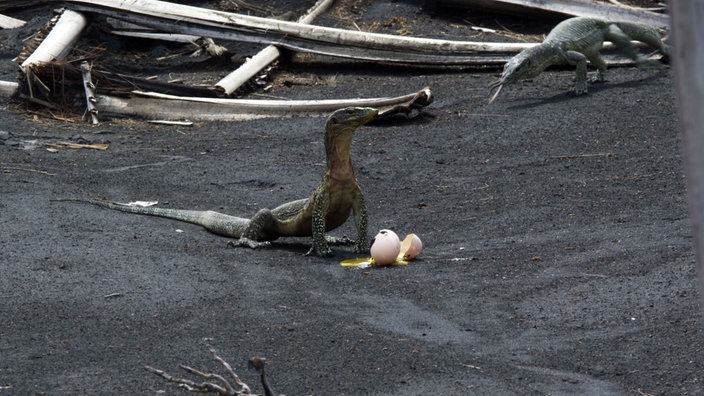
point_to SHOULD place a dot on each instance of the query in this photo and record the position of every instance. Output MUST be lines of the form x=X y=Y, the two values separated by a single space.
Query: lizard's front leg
x=580 y=61
x=360 y=218
x=597 y=61
x=259 y=231
x=320 y=209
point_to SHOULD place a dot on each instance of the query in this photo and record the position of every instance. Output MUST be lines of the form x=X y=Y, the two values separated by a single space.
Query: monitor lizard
x=329 y=206
x=575 y=41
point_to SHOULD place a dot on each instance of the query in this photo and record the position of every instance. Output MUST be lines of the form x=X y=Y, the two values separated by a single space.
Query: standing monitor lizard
x=331 y=203
x=575 y=41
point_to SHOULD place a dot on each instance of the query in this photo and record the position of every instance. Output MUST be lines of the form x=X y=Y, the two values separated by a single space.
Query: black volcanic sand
x=558 y=256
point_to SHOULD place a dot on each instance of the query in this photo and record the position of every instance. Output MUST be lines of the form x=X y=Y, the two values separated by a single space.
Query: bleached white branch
x=168 y=107
x=8 y=88
x=7 y=22
x=587 y=8
x=201 y=22
x=58 y=42
x=218 y=384
x=89 y=90
x=265 y=57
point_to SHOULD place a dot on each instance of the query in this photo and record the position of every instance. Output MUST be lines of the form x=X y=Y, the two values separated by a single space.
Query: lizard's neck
x=542 y=56
x=338 y=151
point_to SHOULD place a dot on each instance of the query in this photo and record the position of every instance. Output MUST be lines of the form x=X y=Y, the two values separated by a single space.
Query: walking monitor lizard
x=331 y=203
x=573 y=42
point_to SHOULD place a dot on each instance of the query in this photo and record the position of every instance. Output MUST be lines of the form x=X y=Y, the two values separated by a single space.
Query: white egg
x=411 y=247
x=385 y=248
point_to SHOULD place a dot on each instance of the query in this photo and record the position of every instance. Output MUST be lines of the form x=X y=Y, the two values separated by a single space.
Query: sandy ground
x=558 y=256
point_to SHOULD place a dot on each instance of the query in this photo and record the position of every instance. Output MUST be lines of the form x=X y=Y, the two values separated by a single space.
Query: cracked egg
x=411 y=247
x=385 y=248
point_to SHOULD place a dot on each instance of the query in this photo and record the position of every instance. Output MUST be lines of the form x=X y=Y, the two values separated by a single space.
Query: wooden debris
x=57 y=44
x=8 y=88
x=41 y=172
x=7 y=22
x=586 y=8
x=168 y=122
x=95 y=146
x=232 y=386
x=263 y=58
x=176 y=18
x=89 y=88
x=46 y=79
x=169 y=107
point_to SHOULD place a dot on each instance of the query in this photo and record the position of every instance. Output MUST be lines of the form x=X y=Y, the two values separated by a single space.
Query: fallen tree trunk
x=201 y=22
x=263 y=58
x=7 y=22
x=586 y=8
x=297 y=36
x=59 y=41
x=8 y=88
x=151 y=105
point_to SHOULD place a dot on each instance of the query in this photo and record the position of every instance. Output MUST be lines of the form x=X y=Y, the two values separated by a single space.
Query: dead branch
x=620 y=4
x=7 y=22
x=178 y=102
x=219 y=384
x=8 y=88
x=586 y=8
x=58 y=42
x=169 y=107
x=90 y=92
x=201 y=22
x=264 y=58
x=587 y=155
x=9 y=169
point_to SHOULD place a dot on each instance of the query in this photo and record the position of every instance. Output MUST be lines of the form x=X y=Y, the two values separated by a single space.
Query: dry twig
x=89 y=88
x=220 y=385
x=588 y=155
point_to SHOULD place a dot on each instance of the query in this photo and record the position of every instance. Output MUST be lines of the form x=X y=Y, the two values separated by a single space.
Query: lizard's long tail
x=645 y=34
x=217 y=223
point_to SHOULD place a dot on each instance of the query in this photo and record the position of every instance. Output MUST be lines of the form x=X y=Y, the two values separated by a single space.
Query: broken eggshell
x=385 y=248
x=411 y=247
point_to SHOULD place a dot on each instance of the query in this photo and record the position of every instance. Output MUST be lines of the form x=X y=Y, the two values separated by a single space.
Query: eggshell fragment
x=385 y=248
x=410 y=247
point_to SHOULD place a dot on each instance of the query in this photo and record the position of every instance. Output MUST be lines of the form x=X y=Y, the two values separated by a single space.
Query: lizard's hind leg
x=259 y=232
x=622 y=40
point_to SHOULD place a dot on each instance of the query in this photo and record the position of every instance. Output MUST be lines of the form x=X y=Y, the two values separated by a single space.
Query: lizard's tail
x=645 y=34
x=217 y=223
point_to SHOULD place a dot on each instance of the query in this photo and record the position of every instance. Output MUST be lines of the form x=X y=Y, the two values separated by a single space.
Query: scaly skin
x=574 y=42
x=329 y=206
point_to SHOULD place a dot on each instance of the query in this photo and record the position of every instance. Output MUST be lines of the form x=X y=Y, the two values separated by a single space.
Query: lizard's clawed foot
x=322 y=251
x=361 y=247
x=343 y=240
x=597 y=77
x=580 y=89
x=250 y=243
x=650 y=64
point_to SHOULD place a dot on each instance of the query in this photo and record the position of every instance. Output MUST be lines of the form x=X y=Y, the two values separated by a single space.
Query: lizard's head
x=339 y=129
x=350 y=118
x=517 y=68
x=343 y=123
